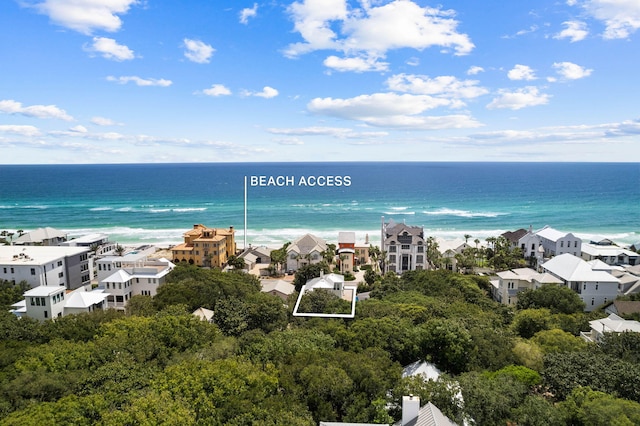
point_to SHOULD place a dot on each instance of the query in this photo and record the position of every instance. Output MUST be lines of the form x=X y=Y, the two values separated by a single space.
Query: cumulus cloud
x=197 y=51
x=110 y=49
x=620 y=17
x=571 y=71
x=78 y=129
x=521 y=72
x=267 y=92
x=518 y=99
x=22 y=130
x=391 y=109
x=10 y=106
x=371 y=31
x=442 y=86
x=574 y=31
x=140 y=81
x=217 y=90
x=475 y=70
x=247 y=13
x=102 y=121
x=86 y=16
x=355 y=64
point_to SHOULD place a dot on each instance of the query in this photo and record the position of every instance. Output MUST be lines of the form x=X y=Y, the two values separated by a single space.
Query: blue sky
x=126 y=81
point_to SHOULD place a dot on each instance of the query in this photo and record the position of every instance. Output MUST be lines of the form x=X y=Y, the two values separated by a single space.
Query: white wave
x=399 y=209
x=398 y=213
x=189 y=209
x=100 y=209
x=461 y=213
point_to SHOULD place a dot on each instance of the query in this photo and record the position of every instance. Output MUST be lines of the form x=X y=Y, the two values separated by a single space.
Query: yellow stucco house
x=205 y=246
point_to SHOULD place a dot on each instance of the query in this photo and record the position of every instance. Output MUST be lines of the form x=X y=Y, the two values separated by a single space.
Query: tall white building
x=552 y=241
x=404 y=246
x=51 y=266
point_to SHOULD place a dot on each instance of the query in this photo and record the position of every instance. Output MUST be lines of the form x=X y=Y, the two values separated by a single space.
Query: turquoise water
x=156 y=203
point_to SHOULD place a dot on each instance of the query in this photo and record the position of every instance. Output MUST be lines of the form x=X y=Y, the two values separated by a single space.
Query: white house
x=333 y=283
x=611 y=324
x=281 y=288
x=509 y=283
x=143 y=278
x=306 y=250
x=405 y=247
x=41 y=237
x=594 y=287
x=553 y=242
x=610 y=254
x=448 y=249
x=46 y=265
x=46 y=302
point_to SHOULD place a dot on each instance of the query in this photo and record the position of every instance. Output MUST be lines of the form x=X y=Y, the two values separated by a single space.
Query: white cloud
x=86 y=16
x=78 y=129
x=22 y=130
x=443 y=86
x=247 y=13
x=289 y=141
x=38 y=111
x=140 y=81
x=217 y=90
x=521 y=98
x=521 y=72
x=571 y=71
x=575 y=31
x=337 y=132
x=355 y=64
x=197 y=51
x=475 y=70
x=110 y=49
x=101 y=121
x=391 y=109
x=267 y=92
x=371 y=31
x=621 y=17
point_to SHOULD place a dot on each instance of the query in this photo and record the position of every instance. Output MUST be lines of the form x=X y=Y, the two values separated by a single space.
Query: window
x=46 y=314
x=596 y=286
x=406 y=247
x=33 y=271
x=533 y=246
x=61 y=274
x=561 y=243
x=420 y=249
x=119 y=286
x=392 y=249
x=5 y=270
x=33 y=301
x=42 y=300
x=593 y=301
x=12 y=270
x=419 y=259
x=59 y=262
x=392 y=258
x=575 y=244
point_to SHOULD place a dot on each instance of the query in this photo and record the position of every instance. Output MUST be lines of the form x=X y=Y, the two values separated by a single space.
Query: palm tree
x=119 y=249
x=466 y=238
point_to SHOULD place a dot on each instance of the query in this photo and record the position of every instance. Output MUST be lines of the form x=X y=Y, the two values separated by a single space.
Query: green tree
x=556 y=298
x=447 y=343
x=308 y=272
x=140 y=305
x=558 y=341
x=236 y=262
x=587 y=407
x=528 y=322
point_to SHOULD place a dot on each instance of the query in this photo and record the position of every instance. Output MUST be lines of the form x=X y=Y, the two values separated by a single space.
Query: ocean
x=156 y=203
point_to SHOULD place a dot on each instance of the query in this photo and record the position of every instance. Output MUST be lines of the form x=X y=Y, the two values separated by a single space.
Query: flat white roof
x=43 y=291
x=36 y=255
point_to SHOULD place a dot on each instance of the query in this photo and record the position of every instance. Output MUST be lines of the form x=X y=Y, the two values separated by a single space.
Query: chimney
x=410 y=408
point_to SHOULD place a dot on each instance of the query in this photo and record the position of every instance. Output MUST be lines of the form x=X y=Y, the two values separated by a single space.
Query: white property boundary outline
x=350 y=288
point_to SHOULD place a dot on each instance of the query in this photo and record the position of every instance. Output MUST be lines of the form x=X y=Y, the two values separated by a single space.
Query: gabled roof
x=324 y=281
x=430 y=415
x=204 y=314
x=572 y=268
x=551 y=234
x=613 y=323
x=120 y=276
x=514 y=236
x=44 y=291
x=625 y=307
x=85 y=299
x=280 y=286
x=306 y=244
x=40 y=234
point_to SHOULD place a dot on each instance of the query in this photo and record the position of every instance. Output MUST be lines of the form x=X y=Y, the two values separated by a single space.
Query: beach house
x=509 y=283
x=553 y=242
x=204 y=246
x=595 y=287
x=404 y=246
x=306 y=250
x=55 y=266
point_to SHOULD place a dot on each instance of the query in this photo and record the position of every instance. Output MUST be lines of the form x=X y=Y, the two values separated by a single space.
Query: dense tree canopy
x=257 y=364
